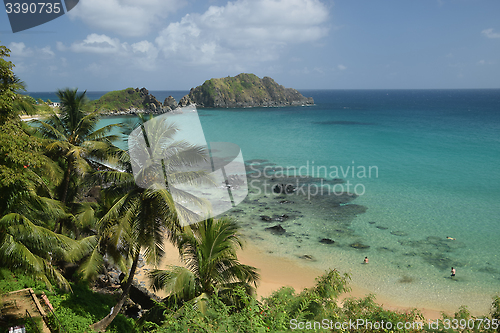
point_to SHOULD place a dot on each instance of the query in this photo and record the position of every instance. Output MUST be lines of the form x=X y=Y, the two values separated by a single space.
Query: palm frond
x=175 y=280
x=103 y=132
x=94 y=262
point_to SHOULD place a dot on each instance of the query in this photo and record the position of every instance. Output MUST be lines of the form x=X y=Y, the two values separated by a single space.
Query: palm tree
x=27 y=203
x=212 y=267
x=140 y=217
x=73 y=136
x=10 y=85
x=31 y=249
x=27 y=207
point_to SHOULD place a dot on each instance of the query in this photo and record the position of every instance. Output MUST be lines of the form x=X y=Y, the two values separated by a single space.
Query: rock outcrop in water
x=245 y=90
x=132 y=101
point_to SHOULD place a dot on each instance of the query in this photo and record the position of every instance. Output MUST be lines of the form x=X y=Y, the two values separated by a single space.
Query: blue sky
x=305 y=44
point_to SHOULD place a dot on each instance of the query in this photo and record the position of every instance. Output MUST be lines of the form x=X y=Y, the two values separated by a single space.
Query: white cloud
x=490 y=34
x=145 y=54
x=144 y=47
x=244 y=31
x=100 y=44
x=341 y=67
x=60 y=46
x=115 y=53
x=484 y=62
x=125 y=17
x=47 y=51
x=20 y=50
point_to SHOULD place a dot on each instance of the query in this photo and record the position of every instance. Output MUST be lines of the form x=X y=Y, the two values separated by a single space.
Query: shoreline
x=33 y=117
x=106 y=114
x=276 y=272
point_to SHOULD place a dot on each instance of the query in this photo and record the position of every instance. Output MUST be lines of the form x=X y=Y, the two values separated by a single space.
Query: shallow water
x=433 y=157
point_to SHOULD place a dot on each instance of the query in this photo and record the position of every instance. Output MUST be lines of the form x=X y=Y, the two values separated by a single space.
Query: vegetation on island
x=126 y=100
x=71 y=210
x=245 y=90
x=118 y=100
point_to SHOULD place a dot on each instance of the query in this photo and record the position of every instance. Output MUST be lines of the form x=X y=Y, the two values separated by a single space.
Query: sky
x=103 y=45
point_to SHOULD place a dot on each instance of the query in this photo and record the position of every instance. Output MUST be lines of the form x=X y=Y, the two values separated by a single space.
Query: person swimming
x=450 y=238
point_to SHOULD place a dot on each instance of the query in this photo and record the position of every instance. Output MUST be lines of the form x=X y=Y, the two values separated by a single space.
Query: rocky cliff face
x=150 y=103
x=245 y=90
x=170 y=102
x=131 y=101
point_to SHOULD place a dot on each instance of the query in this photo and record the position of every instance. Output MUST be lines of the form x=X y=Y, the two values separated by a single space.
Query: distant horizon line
x=300 y=89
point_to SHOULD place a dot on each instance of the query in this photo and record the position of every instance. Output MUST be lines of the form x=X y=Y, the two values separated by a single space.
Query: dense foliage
x=211 y=267
x=9 y=84
x=75 y=311
x=119 y=100
x=283 y=310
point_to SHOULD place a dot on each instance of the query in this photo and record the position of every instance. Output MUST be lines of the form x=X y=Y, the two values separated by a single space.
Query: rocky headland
x=132 y=101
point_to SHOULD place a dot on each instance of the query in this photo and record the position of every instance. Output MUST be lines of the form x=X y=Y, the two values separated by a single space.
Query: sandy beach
x=276 y=272
x=28 y=118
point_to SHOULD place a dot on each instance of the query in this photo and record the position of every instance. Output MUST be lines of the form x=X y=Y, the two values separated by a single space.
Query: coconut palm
x=73 y=136
x=140 y=218
x=212 y=267
x=27 y=203
x=27 y=245
x=31 y=249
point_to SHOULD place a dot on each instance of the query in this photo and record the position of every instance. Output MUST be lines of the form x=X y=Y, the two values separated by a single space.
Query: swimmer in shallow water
x=450 y=238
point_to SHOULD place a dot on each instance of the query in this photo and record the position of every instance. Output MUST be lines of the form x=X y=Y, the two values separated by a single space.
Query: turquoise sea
x=434 y=157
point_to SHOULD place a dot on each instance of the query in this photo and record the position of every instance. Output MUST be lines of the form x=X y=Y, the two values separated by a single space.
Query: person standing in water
x=366 y=260
x=453 y=271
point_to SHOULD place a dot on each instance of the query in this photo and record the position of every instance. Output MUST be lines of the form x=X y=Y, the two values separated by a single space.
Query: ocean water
x=425 y=168
x=433 y=156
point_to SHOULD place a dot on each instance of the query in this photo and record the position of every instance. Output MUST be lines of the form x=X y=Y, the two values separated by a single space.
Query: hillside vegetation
x=245 y=90
x=119 y=100
x=127 y=100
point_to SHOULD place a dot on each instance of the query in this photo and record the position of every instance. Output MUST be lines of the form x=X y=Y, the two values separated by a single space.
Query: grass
x=118 y=100
x=242 y=88
x=76 y=310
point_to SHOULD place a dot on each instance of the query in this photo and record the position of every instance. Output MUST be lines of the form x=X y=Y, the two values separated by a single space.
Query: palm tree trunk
x=101 y=325
x=67 y=174
x=64 y=195
x=66 y=183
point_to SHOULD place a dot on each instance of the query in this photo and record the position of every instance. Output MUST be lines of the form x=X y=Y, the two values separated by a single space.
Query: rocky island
x=243 y=90
x=131 y=101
